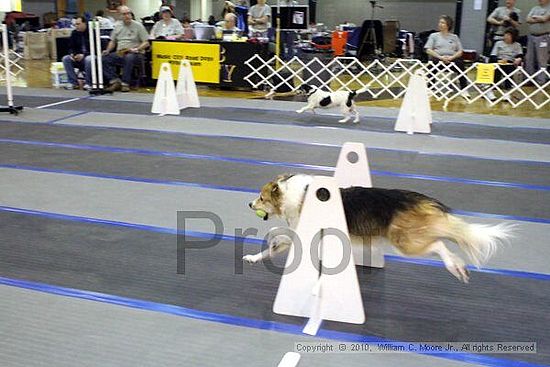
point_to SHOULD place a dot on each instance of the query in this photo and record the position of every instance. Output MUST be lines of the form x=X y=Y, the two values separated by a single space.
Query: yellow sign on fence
x=485 y=74
x=204 y=59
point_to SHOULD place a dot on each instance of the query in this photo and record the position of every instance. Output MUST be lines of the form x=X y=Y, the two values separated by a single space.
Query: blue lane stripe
x=244 y=322
x=239 y=189
x=254 y=241
x=294 y=142
x=67 y=117
x=378 y=130
x=322 y=168
x=130 y=179
x=109 y=149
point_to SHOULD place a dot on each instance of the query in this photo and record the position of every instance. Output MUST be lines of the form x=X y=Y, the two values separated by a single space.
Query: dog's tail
x=354 y=93
x=478 y=241
x=362 y=90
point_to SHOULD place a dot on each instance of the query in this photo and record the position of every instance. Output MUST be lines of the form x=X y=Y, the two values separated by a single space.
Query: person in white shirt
x=259 y=19
x=538 y=42
x=167 y=26
x=509 y=55
x=230 y=23
x=445 y=47
x=504 y=17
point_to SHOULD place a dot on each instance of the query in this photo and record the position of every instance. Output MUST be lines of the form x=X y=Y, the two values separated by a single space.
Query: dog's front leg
x=256 y=258
x=305 y=108
x=276 y=245
x=347 y=115
x=356 y=119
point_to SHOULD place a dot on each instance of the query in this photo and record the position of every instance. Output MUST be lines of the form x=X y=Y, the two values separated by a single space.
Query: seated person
x=259 y=19
x=230 y=23
x=130 y=39
x=508 y=53
x=167 y=26
x=79 y=55
x=186 y=23
x=104 y=23
x=445 y=47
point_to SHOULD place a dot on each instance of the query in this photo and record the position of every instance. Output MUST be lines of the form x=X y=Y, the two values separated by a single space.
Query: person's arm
x=72 y=44
x=491 y=19
x=112 y=43
x=428 y=47
x=110 y=47
x=433 y=54
x=515 y=23
x=267 y=15
x=531 y=19
x=263 y=20
x=179 y=28
x=143 y=37
x=459 y=52
x=153 y=33
x=519 y=55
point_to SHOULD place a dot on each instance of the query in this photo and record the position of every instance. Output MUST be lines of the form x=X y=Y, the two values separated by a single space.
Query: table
x=213 y=62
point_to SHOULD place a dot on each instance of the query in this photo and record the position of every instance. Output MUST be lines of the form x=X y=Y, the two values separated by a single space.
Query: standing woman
x=167 y=26
x=445 y=47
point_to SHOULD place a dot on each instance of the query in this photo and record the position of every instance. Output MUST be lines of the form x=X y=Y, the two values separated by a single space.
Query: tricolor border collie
x=318 y=98
x=414 y=223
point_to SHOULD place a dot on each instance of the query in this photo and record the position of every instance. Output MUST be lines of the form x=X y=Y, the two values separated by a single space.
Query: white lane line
x=58 y=103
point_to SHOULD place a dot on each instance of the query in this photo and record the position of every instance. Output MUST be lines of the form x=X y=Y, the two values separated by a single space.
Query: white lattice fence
x=347 y=73
x=15 y=68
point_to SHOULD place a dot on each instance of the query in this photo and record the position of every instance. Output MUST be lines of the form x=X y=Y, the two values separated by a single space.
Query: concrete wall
x=413 y=15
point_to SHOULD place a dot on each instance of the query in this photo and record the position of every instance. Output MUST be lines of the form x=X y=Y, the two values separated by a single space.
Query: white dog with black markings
x=318 y=98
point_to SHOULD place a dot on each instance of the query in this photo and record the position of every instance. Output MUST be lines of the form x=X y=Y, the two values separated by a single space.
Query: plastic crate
x=59 y=75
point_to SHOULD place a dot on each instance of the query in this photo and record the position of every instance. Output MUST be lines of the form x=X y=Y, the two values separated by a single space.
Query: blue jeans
x=112 y=60
x=83 y=65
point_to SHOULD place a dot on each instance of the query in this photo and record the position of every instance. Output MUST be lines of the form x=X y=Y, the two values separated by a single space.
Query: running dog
x=414 y=223
x=317 y=98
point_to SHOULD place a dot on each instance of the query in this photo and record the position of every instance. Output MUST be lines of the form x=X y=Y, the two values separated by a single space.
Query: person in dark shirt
x=79 y=55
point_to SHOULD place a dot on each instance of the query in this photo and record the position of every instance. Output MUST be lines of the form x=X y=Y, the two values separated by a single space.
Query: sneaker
x=125 y=88
x=114 y=86
x=465 y=94
x=490 y=95
x=87 y=87
x=70 y=87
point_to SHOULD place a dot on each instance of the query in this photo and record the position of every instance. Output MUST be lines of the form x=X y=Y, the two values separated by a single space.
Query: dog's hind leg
x=411 y=239
x=454 y=264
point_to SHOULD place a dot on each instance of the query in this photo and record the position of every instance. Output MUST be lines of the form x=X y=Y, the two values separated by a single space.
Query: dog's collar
x=287 y=178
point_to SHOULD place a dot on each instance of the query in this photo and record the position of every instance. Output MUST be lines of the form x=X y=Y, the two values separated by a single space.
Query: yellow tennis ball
x=260 y=213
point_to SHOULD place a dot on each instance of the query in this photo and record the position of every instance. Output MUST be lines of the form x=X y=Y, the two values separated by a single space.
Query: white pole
x=204 y=10
x=6 y=47
x=99 y=55
x=92 y=53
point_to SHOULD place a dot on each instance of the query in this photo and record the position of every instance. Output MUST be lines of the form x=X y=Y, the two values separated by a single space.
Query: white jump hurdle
x=169 y=98
x=323 y=284
x=353 y=169
x=98 y=87
x=11 y=108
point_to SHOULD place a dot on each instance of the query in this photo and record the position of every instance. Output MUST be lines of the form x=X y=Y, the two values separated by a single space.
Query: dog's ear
x=275 y=190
